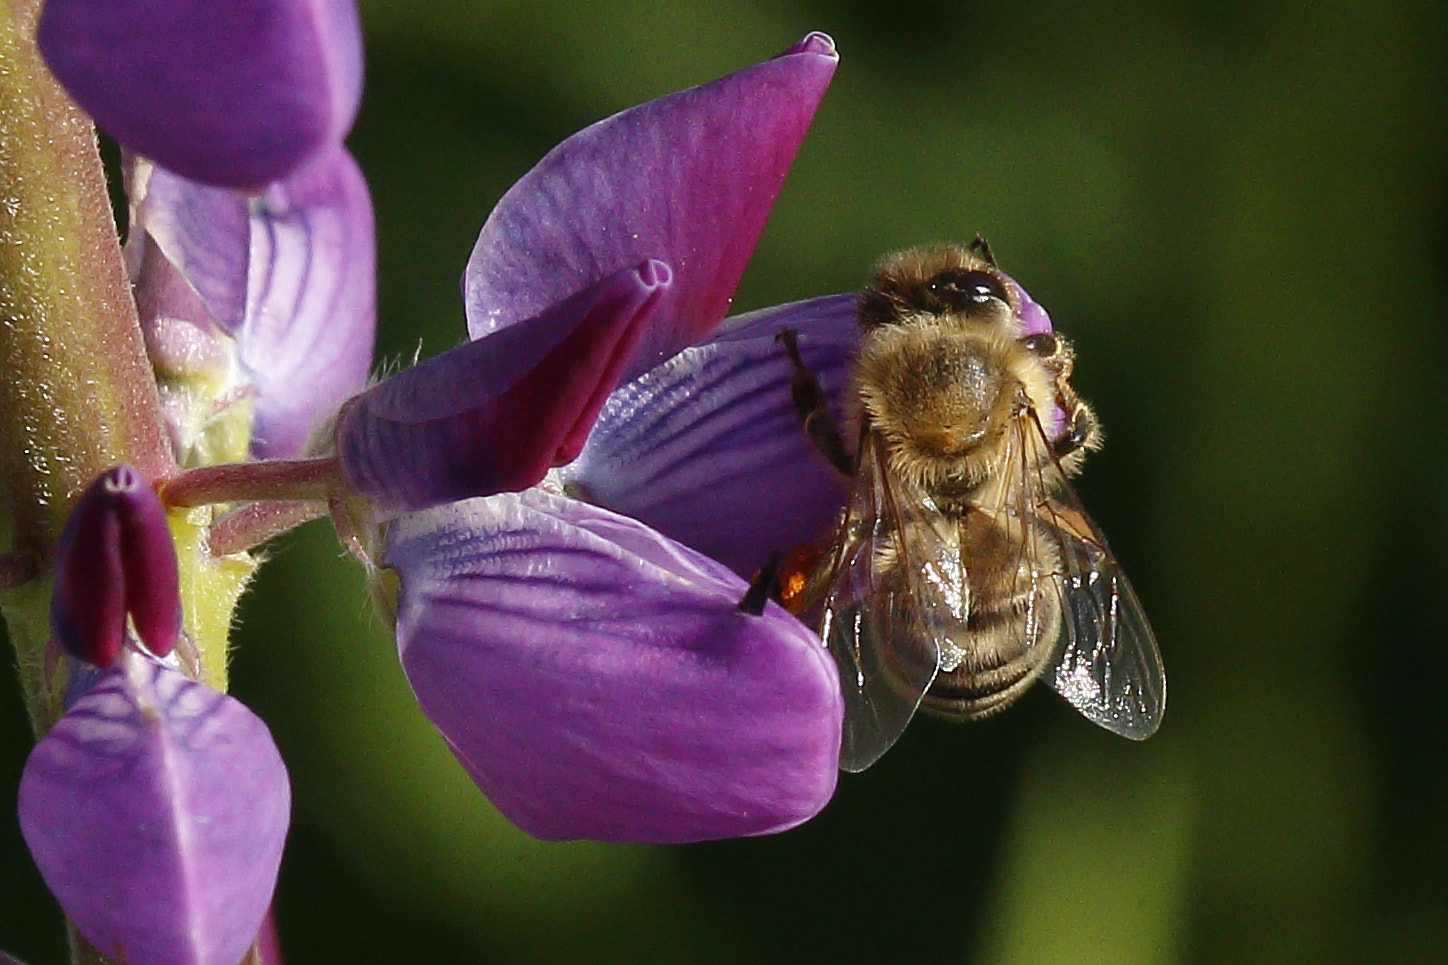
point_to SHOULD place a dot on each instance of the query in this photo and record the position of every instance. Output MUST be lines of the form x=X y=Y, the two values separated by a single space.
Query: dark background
x=1237 y=212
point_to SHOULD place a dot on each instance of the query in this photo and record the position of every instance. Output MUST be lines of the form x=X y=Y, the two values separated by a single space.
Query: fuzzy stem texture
x=77 y=395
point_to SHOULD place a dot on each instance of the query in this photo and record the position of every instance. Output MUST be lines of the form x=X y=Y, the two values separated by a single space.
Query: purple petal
x=1033 y=318
x=708 y=449
x=234 y=94
x=290 y=275
x=496 y=414
x=312 y=303
x=598 y=681
x=689 y=179
x=115 y=557
x=204 y=232
x=156 y=810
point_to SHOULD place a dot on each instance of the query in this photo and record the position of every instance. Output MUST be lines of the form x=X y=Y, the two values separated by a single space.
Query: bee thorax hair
x=943 y=396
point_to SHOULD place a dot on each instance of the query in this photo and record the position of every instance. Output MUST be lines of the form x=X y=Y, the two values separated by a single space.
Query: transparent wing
x=1105 y=660
x=895 y=585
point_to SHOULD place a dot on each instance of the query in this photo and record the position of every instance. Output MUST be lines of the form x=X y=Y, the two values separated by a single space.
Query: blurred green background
x=1236 y=209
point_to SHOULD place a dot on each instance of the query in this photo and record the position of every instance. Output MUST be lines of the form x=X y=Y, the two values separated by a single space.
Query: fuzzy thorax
x=943 y=395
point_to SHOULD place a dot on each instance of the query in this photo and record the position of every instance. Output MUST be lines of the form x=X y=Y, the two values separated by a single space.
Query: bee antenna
x=763 y=588
x=982 y=247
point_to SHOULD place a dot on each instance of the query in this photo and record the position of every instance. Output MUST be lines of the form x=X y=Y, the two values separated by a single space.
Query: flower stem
x=76 y=391
x=78 y=395
x=275 y=479
x=255 y=523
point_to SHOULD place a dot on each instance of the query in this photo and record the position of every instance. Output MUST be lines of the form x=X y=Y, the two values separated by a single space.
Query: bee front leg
x=813 y=407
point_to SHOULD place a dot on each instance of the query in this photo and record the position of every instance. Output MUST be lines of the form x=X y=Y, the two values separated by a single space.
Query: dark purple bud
x=496 y=414
x=689 y=178
x=115 y=557
x=156 y=810
x=235 y=94
x=599 y=681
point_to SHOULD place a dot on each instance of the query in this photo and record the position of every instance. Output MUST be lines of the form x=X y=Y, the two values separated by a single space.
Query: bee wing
x=895 y=584
x=1105 y=662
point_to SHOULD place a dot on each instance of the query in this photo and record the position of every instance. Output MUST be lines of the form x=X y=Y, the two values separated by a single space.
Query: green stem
x=77 y=394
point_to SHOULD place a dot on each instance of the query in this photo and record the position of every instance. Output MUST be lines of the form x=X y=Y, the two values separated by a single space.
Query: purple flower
x=156 y=807
x=237 y=94
x=595 y=678
x=156 y=810
x=268 y=301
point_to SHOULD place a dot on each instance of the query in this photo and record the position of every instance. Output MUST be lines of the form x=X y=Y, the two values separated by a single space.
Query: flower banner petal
x=232 y=94
x=689 y=179
x=156 y=810
x=599 y=681
x=496 y=414
x=708 y=449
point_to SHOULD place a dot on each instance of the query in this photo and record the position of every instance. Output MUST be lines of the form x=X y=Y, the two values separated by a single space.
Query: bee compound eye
x=968 y=290
x=1042 y=344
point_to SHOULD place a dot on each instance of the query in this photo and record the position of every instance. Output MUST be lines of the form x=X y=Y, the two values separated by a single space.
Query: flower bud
x=115 y=559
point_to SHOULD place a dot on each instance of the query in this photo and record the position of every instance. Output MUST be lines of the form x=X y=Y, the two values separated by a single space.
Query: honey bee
x=963 y=567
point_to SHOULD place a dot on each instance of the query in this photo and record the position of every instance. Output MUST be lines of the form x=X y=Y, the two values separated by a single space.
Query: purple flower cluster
x=572 y=502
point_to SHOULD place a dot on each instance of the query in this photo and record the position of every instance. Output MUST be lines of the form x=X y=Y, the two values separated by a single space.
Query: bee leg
x=1083 y=433
x=763 y=588
x=813 y=407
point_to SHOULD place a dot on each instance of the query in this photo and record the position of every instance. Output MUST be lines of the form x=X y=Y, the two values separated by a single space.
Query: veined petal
x=496 y=414
x=156 y=810
x=203 y=232
x=311 y=312
x=598 y=681
x=235 y=94
x=708 y=449
x=115 y=557
x=290 y=275
x=689 y=178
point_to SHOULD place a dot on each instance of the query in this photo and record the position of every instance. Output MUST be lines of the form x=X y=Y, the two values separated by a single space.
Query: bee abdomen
x=996 y=656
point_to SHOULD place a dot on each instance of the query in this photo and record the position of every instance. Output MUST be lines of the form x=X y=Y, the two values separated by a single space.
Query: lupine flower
x=264 y=304
x=233 y=94
x=257 y=296
x=156 y=808
x=595 y=678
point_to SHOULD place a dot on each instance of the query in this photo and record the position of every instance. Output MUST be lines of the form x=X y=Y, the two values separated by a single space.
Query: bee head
x=946 y=281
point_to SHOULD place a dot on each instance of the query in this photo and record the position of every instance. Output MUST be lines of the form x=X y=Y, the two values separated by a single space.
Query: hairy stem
x=255 y=523
x=78 y=395
x=289 y=479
